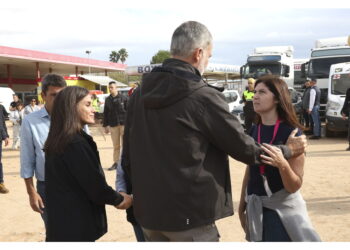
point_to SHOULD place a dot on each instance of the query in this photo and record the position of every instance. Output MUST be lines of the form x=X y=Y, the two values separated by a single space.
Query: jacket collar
x=44 y=113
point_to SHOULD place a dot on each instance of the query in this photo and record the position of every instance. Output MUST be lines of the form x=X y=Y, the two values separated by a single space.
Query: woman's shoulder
x=80 y=138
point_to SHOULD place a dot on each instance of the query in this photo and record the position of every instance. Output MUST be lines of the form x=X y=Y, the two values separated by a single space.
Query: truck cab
x=299 y=78
x=275 y=60
x=327 y=51
x=338 y=83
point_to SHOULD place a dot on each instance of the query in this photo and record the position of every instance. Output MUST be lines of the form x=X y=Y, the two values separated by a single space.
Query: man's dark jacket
x=177 y=136
x=76 y=193
x=346 y=107
x=3 y=128
x=115 y=110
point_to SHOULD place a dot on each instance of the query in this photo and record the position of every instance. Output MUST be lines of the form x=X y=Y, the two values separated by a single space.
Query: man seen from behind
x=178 y=135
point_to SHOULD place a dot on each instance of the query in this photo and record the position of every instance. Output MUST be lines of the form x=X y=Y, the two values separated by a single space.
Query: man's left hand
x=297 y=144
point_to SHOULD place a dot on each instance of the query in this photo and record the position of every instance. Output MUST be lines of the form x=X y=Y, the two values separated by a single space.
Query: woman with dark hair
x=271 y=207
x=76 y=188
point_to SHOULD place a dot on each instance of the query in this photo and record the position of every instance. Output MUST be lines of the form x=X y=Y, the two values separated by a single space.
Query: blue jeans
x=273 y=229
x=1 y=167
x=138 y=233
x=315 y=115
x=40 y=187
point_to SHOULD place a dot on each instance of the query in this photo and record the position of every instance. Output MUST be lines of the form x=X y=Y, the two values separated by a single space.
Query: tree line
x=122 y=55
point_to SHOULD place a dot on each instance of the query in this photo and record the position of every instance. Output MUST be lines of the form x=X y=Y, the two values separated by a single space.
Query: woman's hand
x=242 y=219
x=242 y=214
x=275 y=157
x=126 y=203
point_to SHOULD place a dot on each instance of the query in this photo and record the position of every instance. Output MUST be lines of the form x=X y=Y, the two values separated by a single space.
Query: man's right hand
x=36 y=203
x=296 y=144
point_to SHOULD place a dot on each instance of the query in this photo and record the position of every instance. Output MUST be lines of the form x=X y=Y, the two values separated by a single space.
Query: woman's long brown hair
x=285 y=109
x=65 y=119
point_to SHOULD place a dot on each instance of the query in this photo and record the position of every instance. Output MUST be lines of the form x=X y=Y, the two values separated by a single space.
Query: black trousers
x=308 y=123
x=249 y=115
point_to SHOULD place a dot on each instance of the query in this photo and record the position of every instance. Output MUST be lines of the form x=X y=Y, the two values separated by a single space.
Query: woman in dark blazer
x=76 y=188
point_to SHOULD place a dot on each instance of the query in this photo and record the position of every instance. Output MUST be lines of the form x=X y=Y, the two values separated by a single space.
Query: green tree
x=119 y=76
x=123 y=55
x=114 y=56
x=160 y=56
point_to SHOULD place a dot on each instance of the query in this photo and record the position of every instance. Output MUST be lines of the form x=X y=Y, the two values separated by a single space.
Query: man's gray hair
x=189 y=36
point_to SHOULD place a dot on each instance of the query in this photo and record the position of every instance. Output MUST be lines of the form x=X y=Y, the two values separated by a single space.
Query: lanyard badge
x=262 y=167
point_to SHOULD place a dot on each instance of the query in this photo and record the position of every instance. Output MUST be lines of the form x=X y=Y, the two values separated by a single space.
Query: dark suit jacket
x=346 y=106
x=3 y=129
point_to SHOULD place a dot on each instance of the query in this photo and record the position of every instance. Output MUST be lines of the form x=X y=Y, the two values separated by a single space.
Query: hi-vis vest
x=248 y=95
x=95 y=105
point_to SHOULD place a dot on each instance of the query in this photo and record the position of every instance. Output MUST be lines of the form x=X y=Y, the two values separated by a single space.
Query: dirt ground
x=326 y=190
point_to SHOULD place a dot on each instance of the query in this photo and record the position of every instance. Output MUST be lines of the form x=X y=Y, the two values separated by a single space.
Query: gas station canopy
x=23 y=69
x=102 y=80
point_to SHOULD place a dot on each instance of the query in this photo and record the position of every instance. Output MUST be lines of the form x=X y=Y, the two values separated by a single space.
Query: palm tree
x=114 y=56
x=123 y=55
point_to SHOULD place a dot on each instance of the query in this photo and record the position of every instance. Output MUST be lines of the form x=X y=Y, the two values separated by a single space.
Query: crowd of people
x=171 y=142
x=16 y=115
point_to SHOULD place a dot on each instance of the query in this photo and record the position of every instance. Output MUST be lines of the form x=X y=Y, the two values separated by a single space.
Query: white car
x=6 y=97
x=238 y=111
x=232 y=98
x=102 y=98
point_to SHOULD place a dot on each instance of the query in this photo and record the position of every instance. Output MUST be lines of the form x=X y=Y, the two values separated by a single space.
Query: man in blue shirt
x=122 y=185
x=34 y=131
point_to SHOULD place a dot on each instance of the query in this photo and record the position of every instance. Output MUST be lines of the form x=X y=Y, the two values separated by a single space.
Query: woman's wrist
x=284 y=165
x=241 y=208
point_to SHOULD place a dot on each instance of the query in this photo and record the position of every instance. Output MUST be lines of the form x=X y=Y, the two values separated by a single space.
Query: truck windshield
x=258 y=70
x=340 y=83
x=319 y=68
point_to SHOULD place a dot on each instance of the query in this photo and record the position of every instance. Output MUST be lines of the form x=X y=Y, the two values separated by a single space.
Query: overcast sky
x=144 y=27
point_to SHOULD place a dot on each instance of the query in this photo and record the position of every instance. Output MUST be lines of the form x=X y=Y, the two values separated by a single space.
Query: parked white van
x=6 y=97
x=338 y=83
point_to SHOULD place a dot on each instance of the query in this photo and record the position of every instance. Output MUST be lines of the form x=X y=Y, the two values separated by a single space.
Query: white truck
x=326 y=52
x=276 y=60
x=338 y=83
